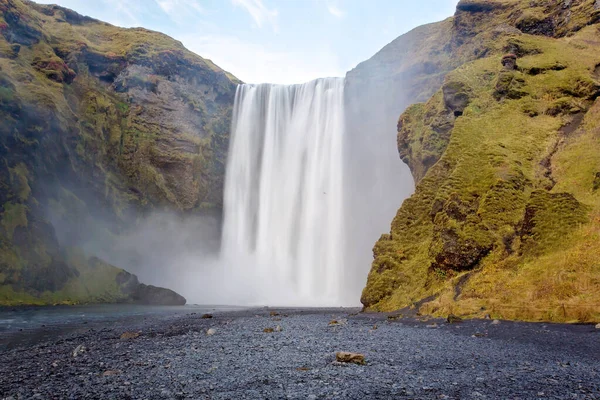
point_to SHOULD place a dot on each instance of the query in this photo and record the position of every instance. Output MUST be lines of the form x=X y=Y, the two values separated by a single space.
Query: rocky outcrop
x=505 y=160
x=99 y=123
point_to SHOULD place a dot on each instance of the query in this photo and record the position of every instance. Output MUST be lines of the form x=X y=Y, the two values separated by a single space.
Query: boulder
x=129 y=335
x=453 y=319
x=152 y=295
x=352 y=358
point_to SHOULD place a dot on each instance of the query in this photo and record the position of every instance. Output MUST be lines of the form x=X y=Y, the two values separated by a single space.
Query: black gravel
x=174 y=358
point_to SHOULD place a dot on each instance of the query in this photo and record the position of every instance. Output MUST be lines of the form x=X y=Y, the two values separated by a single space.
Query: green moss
x=501 y=193
x=14 y=215
x=19 y=176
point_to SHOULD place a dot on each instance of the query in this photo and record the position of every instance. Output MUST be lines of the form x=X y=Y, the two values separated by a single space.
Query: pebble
x=404 y=361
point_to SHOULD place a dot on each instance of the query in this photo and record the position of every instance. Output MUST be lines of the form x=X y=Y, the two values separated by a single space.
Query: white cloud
x=336 y=12
x=253 y=63
x=181 y=10
x=258 y=11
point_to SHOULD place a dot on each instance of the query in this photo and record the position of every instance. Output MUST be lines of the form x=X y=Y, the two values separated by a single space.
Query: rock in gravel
x=336 y=322
x=598 y=326
x=79 y=350
x=278 y=328
x=274 y=314
x=268 y=330
x=129 y=335
x=206 y=316
x=432 y=326
x=495 y=322
x=347 y=357
x=111 y=372
x=211 y=332
x=453 y=319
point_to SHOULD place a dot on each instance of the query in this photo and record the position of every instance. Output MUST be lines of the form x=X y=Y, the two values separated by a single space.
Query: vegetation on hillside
x=98 y=123
x=505 y=217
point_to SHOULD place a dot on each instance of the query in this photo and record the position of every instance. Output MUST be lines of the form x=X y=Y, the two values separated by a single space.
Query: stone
x=129 y=335
x=453 y=319
x=79 y=350
x=211 y=332
x=278 y=328
x=432 y=326
x=153 y=295
x=111 y=372
x=495 y=322
x=351 y=358
x=509 y=62
x=598 y=326
x=268 y=330
x=274 y=314
x=206 y=316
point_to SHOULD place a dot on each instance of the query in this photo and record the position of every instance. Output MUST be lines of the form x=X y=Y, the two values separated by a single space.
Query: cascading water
x=283 y=225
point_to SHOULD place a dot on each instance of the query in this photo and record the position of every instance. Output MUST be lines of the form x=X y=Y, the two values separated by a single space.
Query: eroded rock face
x=476 y=6
x=502 y=195
x=110 y=129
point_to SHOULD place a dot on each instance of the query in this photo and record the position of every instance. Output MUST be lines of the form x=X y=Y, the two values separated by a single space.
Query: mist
x=313 y=179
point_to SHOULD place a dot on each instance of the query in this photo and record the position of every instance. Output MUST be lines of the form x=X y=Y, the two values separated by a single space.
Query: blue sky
x=277 y=41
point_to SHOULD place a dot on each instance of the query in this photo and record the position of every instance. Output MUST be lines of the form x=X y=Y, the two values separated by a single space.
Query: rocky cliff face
x=98 y=123
x=504 y=153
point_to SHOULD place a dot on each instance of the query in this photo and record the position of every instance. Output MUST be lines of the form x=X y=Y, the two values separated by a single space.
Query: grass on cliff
x=503 y=149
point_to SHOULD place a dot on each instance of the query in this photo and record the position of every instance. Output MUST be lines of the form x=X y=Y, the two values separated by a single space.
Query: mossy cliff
x=505 y=154
x=97 y=122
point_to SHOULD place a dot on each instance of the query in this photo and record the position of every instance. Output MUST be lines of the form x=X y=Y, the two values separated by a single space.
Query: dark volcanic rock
x=152 y=295
x=140 y=293
x=477 y=5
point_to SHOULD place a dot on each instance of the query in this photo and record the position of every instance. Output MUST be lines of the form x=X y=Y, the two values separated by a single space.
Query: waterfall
x=283 y=230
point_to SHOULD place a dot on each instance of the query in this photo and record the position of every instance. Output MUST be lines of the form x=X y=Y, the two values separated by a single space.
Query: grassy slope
x=80 y=104
x=505 y=216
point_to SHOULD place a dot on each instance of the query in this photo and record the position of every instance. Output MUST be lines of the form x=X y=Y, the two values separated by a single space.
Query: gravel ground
x=174 y=358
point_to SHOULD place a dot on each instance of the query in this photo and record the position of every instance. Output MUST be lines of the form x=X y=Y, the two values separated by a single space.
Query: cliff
x=99 y=123
x=505 y=218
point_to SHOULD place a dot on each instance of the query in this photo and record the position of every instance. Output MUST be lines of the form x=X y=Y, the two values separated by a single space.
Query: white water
x=283 y=231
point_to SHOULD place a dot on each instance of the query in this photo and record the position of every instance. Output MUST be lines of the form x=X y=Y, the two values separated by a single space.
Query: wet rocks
x=351 y=358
